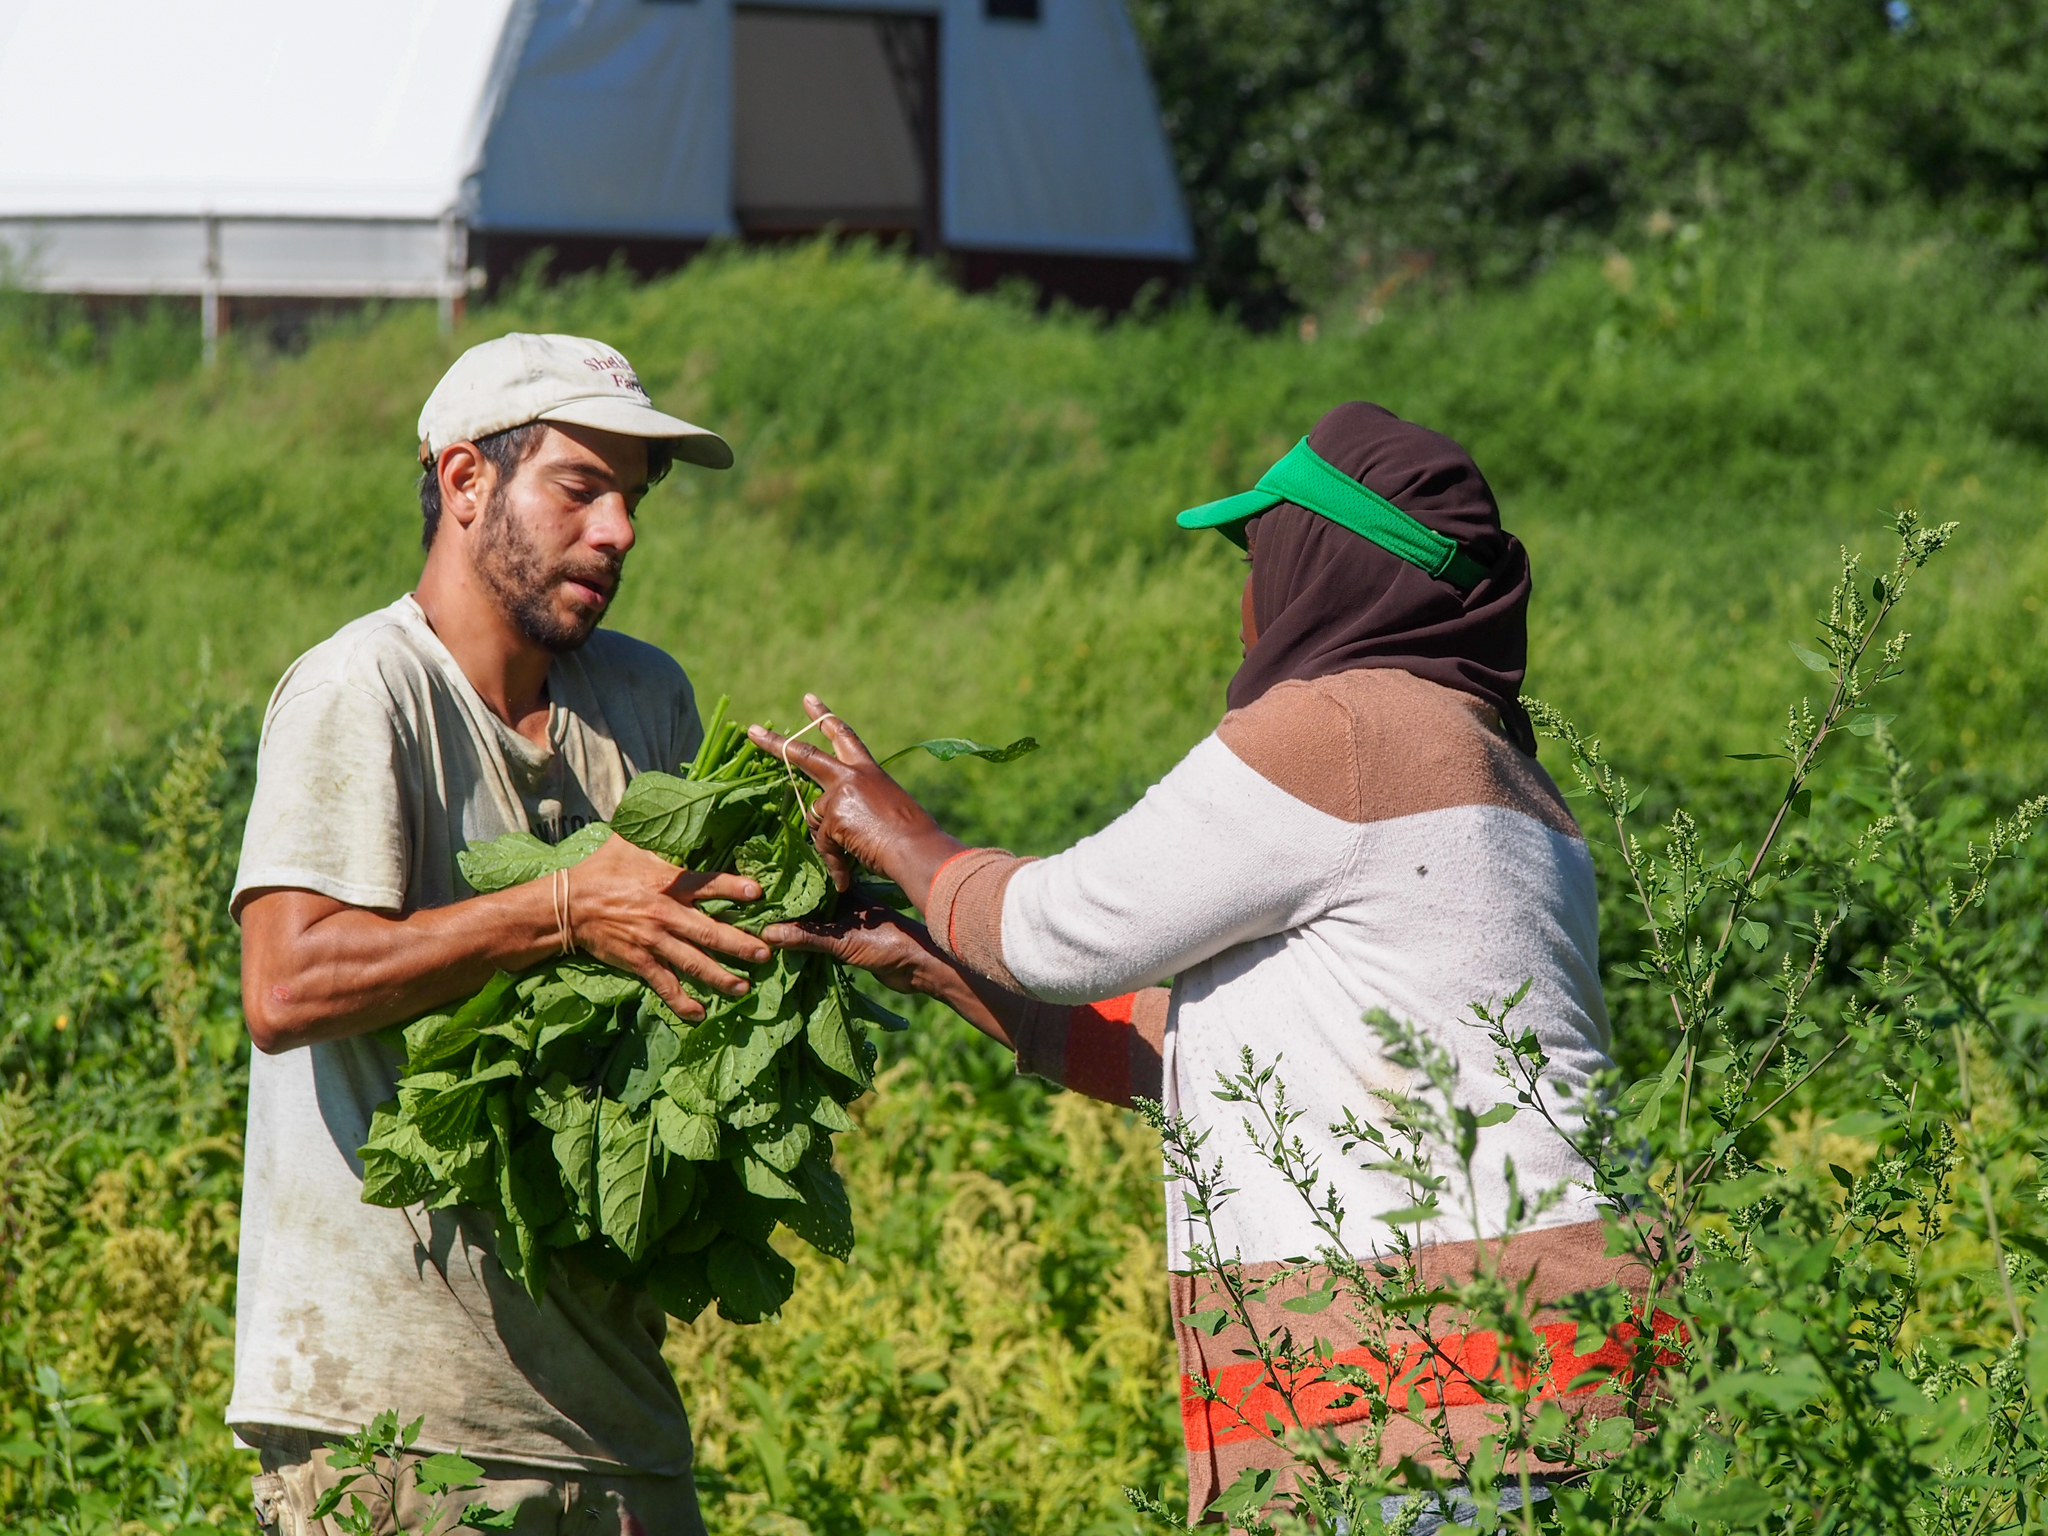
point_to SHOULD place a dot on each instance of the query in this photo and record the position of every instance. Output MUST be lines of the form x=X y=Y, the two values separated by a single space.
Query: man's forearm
x=315 y=969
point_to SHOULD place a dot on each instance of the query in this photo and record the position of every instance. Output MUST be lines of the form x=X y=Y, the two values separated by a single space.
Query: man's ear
x=466 y=479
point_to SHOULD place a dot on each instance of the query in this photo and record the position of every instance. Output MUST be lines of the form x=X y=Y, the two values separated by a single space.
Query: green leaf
x=481 y=1517
x=330 y=1501
x=1500 y=1114
x=1212 y=1321
x=1609 y=1436
x=824 y=1219
x=946 y=748
x=793 y=879
x=1314 y=1302
x=447 y=1472
x=397 y=1162
x=677 y=1193
x=604 y=985
x=1757 y=757
x=626 y=1174
x=441 y=1037
x=875 y=1013
x=829 y=1113
x=686 y=1135
x=1753 y=933
x=1866 y=723
x=1411 y=1215
x=1812 y=659
x=1737 y=1503
x=1737 y=1193
x=750 y=1280
x=583 y=842
x=666 y=815
x=506 y=861
x=571 y=1013
x=447 y=1117
x=646 y=1058
x=758 y=1178
x=826 y=1032
x=680 y=1284
x=560 y=1106
x=1251 y=1491
x=781 y=1143
x=1651 y=1092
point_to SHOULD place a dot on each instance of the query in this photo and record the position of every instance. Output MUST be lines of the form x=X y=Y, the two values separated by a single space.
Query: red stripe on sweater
x=1098 y=1061
x=1462 y=1361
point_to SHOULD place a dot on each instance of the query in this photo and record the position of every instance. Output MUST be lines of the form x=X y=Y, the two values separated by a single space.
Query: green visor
x=1307 y=479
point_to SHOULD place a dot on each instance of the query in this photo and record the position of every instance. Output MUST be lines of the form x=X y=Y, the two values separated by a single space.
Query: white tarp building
x=395 y=147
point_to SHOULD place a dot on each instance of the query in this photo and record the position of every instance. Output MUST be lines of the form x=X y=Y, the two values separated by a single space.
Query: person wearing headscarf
x=1366 y=831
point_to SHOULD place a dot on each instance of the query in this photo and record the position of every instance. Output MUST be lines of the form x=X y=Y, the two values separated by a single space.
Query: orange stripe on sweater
x=1452 y=1373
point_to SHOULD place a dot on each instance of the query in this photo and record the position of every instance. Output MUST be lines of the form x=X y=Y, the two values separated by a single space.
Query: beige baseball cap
x=497 y=385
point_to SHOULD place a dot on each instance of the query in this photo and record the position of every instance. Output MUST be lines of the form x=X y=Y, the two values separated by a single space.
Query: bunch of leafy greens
x=591 y=1121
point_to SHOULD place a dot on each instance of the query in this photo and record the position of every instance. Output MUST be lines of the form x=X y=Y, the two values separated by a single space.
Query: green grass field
x=949 y=515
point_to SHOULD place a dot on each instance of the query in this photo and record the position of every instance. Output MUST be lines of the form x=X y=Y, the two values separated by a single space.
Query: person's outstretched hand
x=899 y=953
x=863 y=816
x=896 y=950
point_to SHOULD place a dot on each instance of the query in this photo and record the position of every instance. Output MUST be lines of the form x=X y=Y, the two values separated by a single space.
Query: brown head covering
x=1327 y=600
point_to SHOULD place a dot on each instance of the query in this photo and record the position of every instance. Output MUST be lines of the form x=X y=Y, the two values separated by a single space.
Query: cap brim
x=608 y=413
x=1229 y=515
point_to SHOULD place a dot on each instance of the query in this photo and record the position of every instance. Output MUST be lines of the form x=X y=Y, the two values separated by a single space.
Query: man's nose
x=610 y=527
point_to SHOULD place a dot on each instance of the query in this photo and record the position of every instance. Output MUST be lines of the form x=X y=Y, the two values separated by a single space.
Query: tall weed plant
x=1829 y=1190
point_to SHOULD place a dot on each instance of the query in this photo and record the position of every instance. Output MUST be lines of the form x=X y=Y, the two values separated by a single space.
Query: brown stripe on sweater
x=1220 y=1445
x=1375 y=743
x=965 y=910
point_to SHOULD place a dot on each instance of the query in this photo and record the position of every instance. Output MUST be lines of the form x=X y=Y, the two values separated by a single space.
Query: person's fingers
x=688 y=960
x=692 y=886
x=837 y=864
x=663 y=982
x=693 y=927
x=846 y=744
x=802 y=756
x=820 y=940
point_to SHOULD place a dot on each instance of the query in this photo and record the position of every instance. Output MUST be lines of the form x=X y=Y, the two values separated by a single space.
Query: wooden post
x=212 y=312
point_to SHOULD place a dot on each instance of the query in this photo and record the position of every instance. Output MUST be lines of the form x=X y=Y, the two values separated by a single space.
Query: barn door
x=835 y=122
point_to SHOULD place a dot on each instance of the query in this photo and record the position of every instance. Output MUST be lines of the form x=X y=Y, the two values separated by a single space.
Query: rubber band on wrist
x=565 y=928
x=790 y=741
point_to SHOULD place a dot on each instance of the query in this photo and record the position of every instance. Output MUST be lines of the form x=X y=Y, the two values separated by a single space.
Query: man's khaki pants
x=549 y=1502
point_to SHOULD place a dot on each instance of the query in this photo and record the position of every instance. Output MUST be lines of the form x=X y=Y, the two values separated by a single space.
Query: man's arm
x=314 y=968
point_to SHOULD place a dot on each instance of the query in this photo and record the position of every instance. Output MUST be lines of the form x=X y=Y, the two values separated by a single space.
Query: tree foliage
x=1327 y=142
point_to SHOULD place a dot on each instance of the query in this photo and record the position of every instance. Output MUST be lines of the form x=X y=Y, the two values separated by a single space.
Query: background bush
x=1332 y=144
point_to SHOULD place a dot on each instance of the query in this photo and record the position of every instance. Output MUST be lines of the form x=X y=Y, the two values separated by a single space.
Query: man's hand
x=314 y=968
x=863 y=816
x=635 y=910
x=898 y=952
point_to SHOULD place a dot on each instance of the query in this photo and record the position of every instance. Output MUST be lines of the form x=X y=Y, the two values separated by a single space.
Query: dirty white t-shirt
x=379 y=763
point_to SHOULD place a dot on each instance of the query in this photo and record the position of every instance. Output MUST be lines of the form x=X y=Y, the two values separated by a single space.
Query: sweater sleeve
x=1112 y=1051
x=1214 y=855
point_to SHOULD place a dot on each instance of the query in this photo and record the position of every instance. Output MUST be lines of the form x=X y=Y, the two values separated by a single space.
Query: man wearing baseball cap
x=485 y=701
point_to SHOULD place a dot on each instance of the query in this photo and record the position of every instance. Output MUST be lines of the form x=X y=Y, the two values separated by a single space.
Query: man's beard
x=516 y=572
